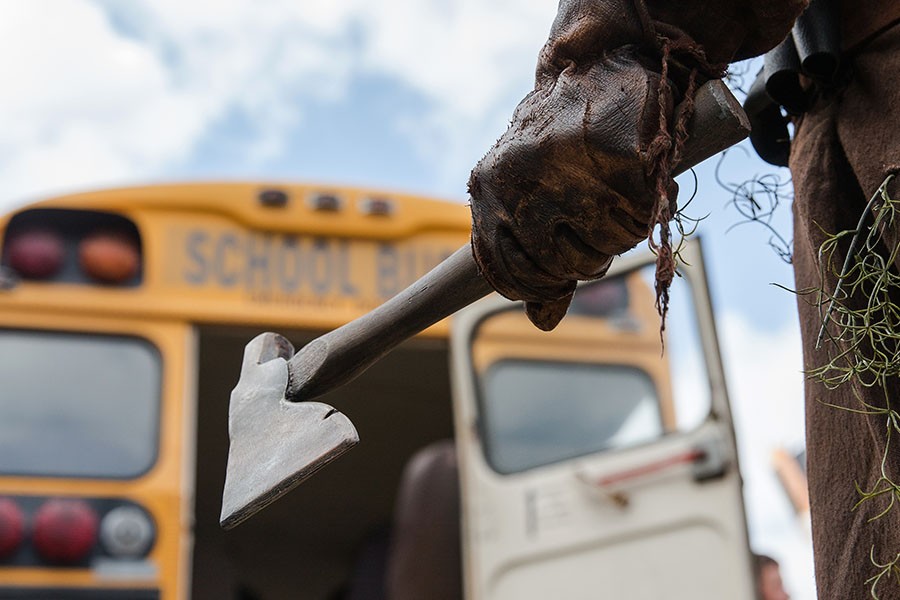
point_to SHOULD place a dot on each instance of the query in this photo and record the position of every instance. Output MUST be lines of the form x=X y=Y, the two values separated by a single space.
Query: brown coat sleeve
x=728 y=29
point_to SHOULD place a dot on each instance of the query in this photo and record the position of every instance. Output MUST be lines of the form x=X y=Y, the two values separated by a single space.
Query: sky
x=392 y=94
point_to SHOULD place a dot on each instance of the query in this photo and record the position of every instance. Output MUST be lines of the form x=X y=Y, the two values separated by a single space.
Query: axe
x=280 y=437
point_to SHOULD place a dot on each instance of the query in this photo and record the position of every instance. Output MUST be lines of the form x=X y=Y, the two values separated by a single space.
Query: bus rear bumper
x=23 y=593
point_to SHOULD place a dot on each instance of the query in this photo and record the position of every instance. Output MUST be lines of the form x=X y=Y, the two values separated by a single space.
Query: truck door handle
x=684 y=458
x=707 y=461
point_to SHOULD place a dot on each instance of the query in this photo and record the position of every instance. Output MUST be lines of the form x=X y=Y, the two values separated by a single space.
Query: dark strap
x=817 y=37
x=806 y=61
x=813 y=50
x=768 y=133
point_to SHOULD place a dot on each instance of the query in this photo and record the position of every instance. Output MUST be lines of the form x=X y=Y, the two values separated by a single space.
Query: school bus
x=496 y=461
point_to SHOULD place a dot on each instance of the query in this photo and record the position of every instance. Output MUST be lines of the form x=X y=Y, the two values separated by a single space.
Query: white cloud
x=472 y=60
x=463 y=55
x=104 y=91
x=765 y=381
x=765 y=377
x=84 y=105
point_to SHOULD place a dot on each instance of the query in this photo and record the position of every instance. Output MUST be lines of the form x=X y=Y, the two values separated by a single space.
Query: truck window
x=540 y=413
x=600 y=381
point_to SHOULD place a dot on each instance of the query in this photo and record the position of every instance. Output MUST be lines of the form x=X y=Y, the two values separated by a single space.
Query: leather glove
x=571 y=183
x=584 y=171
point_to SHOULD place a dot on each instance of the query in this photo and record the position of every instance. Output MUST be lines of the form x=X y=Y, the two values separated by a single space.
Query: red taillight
x=65 y=530
x=12 y=527
x=109 y=256
x=36 y=254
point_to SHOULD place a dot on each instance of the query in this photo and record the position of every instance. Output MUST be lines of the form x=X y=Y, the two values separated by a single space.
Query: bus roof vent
x=273 y=198
x=325 y=202
x=380 y=207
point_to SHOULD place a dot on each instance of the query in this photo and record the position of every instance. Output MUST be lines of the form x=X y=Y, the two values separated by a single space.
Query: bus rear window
x=77 y=405
x=537 y=413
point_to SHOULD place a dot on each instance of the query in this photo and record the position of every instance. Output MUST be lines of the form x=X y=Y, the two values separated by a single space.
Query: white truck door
x=593 y=465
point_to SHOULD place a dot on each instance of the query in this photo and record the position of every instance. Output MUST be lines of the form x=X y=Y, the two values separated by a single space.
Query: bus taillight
x=51 y=532
x=65 y=530
x=72 y=246
x=127 y=532
x=12 y=527
x=36 y=253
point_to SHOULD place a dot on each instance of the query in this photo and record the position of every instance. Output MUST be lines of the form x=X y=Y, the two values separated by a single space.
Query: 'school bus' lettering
x=270 y=267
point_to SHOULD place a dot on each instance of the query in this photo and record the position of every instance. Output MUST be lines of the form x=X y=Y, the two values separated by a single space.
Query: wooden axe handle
x=337 y=357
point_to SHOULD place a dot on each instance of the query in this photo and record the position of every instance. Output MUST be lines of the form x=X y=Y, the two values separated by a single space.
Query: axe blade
x=275 y=444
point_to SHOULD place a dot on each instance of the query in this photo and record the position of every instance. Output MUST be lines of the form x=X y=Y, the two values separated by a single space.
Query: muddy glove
x=573 y=182
x=567 y=187
x=584 y=171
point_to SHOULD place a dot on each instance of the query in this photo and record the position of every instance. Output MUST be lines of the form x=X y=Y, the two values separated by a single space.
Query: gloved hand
x=571 y=183
x=584 y=171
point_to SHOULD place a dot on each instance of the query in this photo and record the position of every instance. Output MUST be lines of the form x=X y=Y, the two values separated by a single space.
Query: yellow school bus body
x=167 y=303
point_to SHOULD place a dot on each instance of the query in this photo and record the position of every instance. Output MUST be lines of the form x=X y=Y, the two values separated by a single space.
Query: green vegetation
x=861 y=330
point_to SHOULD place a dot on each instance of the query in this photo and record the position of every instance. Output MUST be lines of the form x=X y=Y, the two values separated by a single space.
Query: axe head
x=275 y=443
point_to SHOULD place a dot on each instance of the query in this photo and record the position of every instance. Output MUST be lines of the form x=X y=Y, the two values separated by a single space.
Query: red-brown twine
x=664 y=152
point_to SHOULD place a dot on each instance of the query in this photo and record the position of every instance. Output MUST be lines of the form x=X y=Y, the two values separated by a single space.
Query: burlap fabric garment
x=843 y=150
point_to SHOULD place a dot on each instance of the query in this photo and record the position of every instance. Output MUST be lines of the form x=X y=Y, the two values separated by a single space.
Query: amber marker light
x=109 y=256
